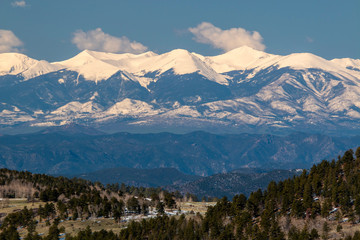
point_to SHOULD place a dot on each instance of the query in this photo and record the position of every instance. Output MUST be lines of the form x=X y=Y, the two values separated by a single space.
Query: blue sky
x=56 y=30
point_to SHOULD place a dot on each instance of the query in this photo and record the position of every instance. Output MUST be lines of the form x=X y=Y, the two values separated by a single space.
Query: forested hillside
x=232 y=183
x=74 y=149
x=155 y=177
x=72 y=199
x=323 y=202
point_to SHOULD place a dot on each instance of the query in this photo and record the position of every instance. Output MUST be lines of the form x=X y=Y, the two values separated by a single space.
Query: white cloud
x=99 y=41
x=309 y=39
x=19 y=4
x=9 y=42
x=226 y=39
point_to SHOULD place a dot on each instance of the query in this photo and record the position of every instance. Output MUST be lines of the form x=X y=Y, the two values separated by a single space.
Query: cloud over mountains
x=19 y=4
x=9 y=42
x=228 y=39
x=99 y=41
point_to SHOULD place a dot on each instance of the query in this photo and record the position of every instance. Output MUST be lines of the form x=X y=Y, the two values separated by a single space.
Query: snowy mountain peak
x=238 y=59
x=305 y=60
x=40 y=68
x=299 y=61
x=116 y=56
x=182 y=62
x=148 y=54
x=255 y=91
x=96 y=66
x=246 y=50
x=353 y=64
x=80 y=59
x=90 y=66
x=15 y=63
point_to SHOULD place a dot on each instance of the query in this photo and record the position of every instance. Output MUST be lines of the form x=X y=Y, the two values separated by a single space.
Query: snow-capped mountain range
x=241 y=90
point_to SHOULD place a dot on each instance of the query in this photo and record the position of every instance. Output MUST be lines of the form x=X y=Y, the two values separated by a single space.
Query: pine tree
x=275 y=232
x=307 y=196
x=314 y=234
x=325 y=230
x=160 y=208
x=9 y=233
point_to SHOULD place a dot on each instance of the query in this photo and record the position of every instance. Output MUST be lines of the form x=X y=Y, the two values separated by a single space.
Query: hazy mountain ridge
x=245 y=180
x=233 y=183
x=156 y=177
x=243 y=90
x=198 y=153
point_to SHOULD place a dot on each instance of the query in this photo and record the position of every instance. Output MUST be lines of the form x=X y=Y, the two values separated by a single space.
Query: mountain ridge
x=72 y=150
x=233 y=183
x=155 y=177
x=244 y=90
x=241 y=58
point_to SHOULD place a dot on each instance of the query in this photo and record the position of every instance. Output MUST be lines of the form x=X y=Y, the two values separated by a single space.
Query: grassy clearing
x=74 y=226
x=348 y=229
x=12 y=205
x=200 y=207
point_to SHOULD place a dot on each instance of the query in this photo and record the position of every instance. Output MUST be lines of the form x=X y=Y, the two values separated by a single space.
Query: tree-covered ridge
x=329 y=193
x=75 y=198
x=229 y=184
x=73 y=150
x=48 y=188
